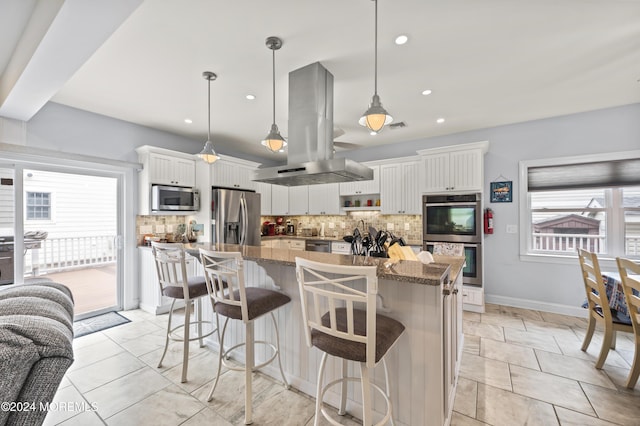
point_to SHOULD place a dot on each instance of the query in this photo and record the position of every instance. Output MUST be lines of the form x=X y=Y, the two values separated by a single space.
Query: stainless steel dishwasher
x=318 y=245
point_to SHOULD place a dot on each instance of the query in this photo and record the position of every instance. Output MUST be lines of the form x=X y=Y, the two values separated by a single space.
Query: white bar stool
x=224 y=273
x=174 y=283
x=335 y=326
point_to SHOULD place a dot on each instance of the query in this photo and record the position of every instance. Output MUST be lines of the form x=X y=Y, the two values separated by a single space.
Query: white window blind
x=585 y=175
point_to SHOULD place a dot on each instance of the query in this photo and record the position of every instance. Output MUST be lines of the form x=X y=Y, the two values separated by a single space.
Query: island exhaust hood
x=310 y=150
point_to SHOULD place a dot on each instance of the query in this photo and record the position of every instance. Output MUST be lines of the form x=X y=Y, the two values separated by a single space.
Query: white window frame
x=525 y=206
x=51 y=219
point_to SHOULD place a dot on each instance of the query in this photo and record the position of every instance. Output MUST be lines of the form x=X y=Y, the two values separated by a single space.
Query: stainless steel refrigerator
x=235 y=216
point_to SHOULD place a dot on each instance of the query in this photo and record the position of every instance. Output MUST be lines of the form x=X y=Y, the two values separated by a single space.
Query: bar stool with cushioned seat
x=224 y=273
x=171 y=269
x=345 y=331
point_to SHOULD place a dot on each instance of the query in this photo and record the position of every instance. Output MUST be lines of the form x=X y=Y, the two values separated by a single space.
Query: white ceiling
x=487 y=62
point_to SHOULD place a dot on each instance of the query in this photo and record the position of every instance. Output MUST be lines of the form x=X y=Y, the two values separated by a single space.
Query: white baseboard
x=555 y=308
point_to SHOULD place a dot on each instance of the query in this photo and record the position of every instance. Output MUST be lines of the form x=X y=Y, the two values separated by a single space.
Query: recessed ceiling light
x=440 y=120
x=250 y=97
x=373 y=133
x=401 y=39
x=188 y=120
x=426 y=92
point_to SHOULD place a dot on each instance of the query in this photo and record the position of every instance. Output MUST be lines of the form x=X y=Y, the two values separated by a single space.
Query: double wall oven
x=456 y=219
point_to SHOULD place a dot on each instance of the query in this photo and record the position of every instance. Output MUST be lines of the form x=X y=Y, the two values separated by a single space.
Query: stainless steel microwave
x=174 y=199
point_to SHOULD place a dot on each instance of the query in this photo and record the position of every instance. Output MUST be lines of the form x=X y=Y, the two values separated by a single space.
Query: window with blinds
x=590 y=205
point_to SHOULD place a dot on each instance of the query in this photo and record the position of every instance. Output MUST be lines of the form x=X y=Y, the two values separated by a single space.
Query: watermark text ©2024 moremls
x=16 y=406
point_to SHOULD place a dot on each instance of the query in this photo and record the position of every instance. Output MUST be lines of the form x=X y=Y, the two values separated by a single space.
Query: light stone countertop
x=444 y=267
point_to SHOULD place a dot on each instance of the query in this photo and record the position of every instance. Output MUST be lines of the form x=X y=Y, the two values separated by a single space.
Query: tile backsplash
x=345 y=224
x=157 y=225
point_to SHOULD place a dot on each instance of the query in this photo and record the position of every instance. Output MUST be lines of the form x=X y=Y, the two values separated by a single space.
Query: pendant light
x=274 y=142
x=208 y=154
x=376 y=117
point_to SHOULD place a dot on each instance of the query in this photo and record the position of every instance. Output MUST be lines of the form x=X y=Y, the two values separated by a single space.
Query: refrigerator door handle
x=243 y=214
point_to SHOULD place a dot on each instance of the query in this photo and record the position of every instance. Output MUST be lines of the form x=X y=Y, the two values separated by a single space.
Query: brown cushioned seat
x=259 y=302
x=387 y=332
x=197 y=288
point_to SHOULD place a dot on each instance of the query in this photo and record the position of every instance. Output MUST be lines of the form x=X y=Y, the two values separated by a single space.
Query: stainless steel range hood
x=310 y=140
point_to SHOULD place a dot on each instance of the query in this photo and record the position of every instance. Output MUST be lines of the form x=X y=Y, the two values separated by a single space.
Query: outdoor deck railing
x=58 y=254
x=572 y=242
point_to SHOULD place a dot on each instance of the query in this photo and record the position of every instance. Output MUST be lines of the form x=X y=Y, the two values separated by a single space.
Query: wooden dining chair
x=630 y=278
x=598 y=305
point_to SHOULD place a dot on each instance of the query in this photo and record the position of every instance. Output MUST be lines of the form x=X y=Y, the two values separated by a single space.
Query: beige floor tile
x=572 y=418
x=345 y=420
x=86 y=418
x=138 y=315
x=501 y=408
x=619 y=377
x=228 y=398
x=169 y=406
x=458 y=419
x=510 y=311
x=502 y=320
x=87 y=355
x=66 y=403
x=126 y=391
x=104 y=371
x=145 y=344
x=206 y=417
x=173 y=356
x=614 y=406
x=558 y=330
x=550 y=388
x=202 y=369
x=131 y=331
x=572 y=348
x=568 y=320
x=508 y=352
x=88 y=340
x=573 y=368
x=546 y=342
x=471 y=344
x=471 y=316
x=479 y=329
x=466 y=397
x=484 y=370
x=280 y=406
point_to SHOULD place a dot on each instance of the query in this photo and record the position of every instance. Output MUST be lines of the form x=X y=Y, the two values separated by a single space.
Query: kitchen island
x=423 y=364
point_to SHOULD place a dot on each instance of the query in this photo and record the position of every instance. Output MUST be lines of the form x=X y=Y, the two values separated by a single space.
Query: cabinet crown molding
x=146 y=149
x=483 y=146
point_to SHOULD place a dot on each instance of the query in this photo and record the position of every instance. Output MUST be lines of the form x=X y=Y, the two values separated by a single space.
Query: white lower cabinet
x=473 y=299
x=150 y=298
x=452 y=343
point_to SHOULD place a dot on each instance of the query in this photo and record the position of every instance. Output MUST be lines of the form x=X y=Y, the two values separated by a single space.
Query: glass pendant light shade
x=208 y=154
x=274 y=141
x=376 y=117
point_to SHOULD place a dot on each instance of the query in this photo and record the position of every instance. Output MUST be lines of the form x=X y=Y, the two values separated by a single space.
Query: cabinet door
x=279 y=200
x=391 y=189
x=411 y=194
x=161 y=169
x=324 y=198
x=185 y=172
x=244 y=176
x=299 y=200
x=435 y=173
x=264 y=189
x=223 y=174
x=465 y=170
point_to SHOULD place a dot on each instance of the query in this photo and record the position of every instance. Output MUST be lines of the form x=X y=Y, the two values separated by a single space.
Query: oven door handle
x=464 y=204
x=471 y=245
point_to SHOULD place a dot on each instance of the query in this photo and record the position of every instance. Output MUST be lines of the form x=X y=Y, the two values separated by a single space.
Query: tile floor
x=519 y=367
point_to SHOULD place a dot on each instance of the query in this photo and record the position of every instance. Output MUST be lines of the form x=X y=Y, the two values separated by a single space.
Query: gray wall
x=507 y=278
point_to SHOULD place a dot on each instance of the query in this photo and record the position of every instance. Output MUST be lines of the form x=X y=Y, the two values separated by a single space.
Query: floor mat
x=98 y=323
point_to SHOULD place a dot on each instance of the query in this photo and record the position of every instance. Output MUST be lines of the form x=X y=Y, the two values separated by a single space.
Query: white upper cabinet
x=298 y=200
x=279 y=200
x=264 y=189
x=170 y=170
x=400 y=188
x=364 y=186
x=324 y=199
x=233 y=173
x=456 y=168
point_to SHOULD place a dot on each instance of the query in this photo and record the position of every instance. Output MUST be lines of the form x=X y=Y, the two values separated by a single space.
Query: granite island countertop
x=444 y=267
